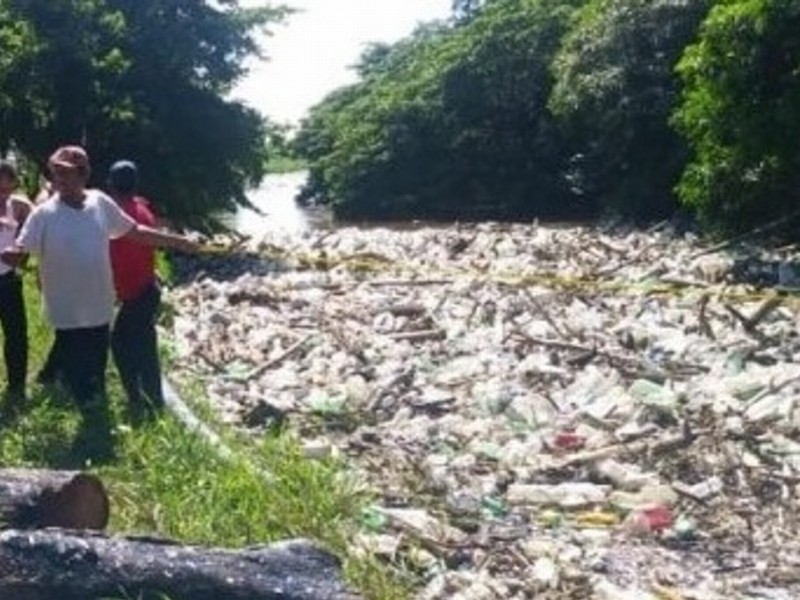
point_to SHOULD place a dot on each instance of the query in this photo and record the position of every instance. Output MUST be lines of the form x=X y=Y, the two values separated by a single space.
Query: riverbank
x=165 y=481
x=548 y=413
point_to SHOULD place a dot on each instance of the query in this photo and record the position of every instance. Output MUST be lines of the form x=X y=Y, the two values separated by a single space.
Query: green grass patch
x=168 y=482
x=285 y=164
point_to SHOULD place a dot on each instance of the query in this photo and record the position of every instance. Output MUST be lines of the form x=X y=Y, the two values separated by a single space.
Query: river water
x=277 y=212
x=275 y=200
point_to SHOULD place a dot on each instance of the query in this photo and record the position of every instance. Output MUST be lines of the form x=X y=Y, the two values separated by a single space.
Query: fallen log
x=39 y=498
x=63 y=565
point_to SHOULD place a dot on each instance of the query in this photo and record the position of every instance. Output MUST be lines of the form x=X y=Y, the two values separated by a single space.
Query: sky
x=309 y=56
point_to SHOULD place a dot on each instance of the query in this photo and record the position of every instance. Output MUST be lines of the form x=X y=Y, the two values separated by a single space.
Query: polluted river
x=541 y=412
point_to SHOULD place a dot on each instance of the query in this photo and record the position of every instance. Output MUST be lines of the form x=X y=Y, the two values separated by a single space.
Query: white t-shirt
x=73 y=249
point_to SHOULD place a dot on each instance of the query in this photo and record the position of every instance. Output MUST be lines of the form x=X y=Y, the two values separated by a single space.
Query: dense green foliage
x=512 y=108
x=144 y=79
x=616 y=88
x=562 y=108
x=741 y=112
x=280 y=153
x=452 y=121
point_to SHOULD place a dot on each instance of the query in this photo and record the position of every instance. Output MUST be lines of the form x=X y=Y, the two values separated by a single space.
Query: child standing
x=14 y=209
x=70 y=234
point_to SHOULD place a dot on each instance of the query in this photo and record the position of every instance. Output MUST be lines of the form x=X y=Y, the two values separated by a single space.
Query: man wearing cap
x=14 y=209
x=70 y=234
x=134 y=341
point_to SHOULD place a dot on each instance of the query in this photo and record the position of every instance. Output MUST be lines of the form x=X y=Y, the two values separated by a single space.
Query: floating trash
x=553 y=413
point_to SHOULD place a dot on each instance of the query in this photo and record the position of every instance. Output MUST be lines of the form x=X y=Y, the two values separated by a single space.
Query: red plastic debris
x=568 y=440
x=658 y=517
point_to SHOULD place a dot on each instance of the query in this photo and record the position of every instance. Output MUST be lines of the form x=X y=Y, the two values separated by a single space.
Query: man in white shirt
x=70 y=233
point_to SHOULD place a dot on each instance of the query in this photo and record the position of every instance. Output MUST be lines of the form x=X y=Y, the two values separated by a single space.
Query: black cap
x=122 y=176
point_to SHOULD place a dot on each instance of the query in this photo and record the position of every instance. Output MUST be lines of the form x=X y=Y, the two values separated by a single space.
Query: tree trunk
x=32 y=499
x=62 y=565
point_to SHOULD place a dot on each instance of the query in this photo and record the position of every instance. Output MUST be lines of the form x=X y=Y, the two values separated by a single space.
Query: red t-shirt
x=133 y=263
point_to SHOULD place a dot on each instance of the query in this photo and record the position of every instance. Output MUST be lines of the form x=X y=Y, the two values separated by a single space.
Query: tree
x=374 y=59
x=452 y=122
x=144 y=79
x=616 y=88
x=466 y=9
x=740 y=112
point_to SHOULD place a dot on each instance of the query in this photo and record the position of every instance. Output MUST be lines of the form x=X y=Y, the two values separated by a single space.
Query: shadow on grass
x=166 y=481
x=45 y=430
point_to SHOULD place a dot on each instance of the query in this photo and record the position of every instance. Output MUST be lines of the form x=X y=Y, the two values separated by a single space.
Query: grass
x=167 y=482
x=285 y=164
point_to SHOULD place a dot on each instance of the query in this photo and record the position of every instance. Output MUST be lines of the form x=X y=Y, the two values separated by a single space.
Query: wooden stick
x=681 y=282
x=408 y=282
x=270 y=364
x=758 y=230
x=763 y=311
x=546 y=315
x=404 y=310
x=668 y=442
x=705 y=326
x=745 y=322
x=426 y=335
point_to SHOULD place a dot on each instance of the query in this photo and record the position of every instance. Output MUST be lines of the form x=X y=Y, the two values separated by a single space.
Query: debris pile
x=546 y=413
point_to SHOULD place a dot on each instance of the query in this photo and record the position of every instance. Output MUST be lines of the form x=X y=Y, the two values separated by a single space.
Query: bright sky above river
x=309 y=56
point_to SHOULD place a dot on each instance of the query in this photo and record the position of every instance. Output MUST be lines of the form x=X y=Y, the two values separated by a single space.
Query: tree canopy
x=560 y=108
x=740 y=111
x=451 y=121
x=616 y=88
x=142 y=79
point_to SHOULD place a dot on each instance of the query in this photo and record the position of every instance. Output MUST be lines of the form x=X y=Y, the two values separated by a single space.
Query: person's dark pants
x=15 y=331
x=134 y=343
x=82 y=358
x=51 y=370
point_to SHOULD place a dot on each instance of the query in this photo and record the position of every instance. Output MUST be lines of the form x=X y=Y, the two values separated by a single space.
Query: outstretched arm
x=153 y=237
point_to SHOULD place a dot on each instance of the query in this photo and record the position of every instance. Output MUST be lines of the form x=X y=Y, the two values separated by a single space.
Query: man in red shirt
x=134 y=341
